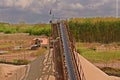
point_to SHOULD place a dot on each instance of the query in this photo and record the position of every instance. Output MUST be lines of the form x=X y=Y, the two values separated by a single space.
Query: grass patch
x=2 y=60
x=111 y=71
x=16 y=62
x=4 y=45
x=94 y=56
x=38 y=52
x=20 y=62
x=104 y=57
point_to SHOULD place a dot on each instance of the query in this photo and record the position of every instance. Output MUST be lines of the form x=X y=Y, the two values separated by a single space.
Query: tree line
x=102 y=30
x=32 y=29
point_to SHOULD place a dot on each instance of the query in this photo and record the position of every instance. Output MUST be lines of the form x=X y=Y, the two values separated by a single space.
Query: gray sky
x=35 y=11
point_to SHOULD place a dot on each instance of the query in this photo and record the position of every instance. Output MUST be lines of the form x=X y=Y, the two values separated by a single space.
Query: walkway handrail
x=75 y=56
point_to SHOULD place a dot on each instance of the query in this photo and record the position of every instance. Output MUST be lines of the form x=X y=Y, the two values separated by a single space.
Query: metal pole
x=116 y=8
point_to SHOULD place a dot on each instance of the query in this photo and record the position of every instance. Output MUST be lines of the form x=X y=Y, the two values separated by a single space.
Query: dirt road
x=41 y=68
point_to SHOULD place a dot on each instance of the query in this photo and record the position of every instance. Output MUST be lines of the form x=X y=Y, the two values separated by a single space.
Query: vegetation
x=98 y=30
x=16 y=62
x=2 y=60
x=111 y=71
x=105 y=57
x=20 y=62
x=103 y=30
x=102 y=57
x=98 y=57
x=38 y=52
x=33 y=29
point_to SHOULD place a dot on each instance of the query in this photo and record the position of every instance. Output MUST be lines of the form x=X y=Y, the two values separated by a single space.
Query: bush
x=111 y=71
x=2 y=60
x=20 y=62
x=41 y=29
x=39 y=52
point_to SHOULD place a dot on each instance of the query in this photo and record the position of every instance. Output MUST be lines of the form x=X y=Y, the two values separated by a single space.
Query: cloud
x=8 y=3
x=61 y=8
x=23 y=3
x=96 y=4
x=77 y=6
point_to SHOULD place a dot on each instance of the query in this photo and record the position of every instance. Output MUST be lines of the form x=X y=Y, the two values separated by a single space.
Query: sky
x=37 y=11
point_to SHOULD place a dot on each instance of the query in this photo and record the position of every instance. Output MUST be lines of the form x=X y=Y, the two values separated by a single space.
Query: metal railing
x=70 y=61
x=67 y=53
x=75 y=56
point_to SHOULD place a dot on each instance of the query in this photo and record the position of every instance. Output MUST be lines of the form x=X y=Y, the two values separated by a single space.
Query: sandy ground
x=112 y=65
x=40 y=69
x=8 y=71
x=19 y=55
